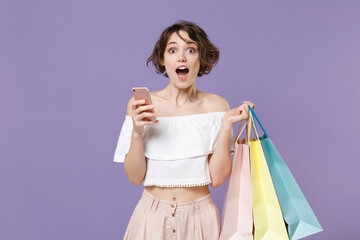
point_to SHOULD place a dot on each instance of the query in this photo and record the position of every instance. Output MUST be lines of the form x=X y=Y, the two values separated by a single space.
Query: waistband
x=178 y=206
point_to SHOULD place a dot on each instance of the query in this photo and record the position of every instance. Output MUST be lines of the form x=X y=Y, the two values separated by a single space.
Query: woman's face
x=181 y=60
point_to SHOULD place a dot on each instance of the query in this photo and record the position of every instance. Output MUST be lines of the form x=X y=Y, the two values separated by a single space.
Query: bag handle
x=254 y=115
x=251 y=118
x=249 y=123
x=237 y=133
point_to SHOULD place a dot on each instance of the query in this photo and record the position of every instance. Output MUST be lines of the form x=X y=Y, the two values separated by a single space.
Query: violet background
x=66 y=72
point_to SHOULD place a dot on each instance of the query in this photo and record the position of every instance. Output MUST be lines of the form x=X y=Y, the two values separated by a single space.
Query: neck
x=180 y=97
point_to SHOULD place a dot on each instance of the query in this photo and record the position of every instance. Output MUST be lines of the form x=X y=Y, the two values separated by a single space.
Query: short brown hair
x=209 y=53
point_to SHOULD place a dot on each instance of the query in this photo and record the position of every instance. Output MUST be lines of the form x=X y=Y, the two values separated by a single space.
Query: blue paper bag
x=300 y=218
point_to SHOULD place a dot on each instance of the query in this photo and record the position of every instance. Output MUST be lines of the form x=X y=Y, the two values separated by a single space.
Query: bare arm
x=135 y=162
x=220 y=160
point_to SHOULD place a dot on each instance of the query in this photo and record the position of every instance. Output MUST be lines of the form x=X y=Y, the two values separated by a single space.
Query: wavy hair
x=209 y=53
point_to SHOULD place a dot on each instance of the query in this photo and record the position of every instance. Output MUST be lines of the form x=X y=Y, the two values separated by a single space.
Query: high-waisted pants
x=158 y=219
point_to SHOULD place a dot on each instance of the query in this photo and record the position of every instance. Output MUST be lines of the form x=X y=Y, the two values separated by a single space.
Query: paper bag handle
x=254 y=115
x=237 y=133
x=249 y=123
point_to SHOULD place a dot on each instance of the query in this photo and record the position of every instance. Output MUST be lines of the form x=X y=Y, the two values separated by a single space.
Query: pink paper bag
x=237 y=218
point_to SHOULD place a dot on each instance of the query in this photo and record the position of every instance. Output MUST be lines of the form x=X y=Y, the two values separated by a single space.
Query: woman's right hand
x=140 y=115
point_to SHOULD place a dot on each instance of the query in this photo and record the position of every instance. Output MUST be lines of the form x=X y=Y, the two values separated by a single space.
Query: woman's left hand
x=238 y=114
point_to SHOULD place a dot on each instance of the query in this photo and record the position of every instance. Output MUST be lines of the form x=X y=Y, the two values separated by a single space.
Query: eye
x=192 y=50
x=171 y=50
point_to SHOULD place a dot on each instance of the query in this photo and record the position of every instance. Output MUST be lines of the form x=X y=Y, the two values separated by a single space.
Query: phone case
x=142 y=93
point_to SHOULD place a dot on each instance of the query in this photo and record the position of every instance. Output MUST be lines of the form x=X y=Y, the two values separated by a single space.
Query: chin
x=182 y=84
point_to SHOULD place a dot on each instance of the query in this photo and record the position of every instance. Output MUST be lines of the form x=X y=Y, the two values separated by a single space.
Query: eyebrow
x=188 y=42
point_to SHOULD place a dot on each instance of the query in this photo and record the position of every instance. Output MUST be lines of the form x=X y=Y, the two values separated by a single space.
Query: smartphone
x=142 y=93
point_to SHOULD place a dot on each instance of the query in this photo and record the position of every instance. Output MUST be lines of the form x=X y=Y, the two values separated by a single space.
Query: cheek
x=197 y=63
x=197 y=66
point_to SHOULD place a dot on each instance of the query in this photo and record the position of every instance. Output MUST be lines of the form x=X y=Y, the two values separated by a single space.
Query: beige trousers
x=158 y=219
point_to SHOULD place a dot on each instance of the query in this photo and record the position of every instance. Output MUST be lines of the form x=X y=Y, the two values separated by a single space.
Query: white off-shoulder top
x=176 y=149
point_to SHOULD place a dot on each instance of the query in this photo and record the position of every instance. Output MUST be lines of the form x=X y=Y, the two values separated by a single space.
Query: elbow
x=137 y=183
x=216 y=183
x=134 y=179
x=213 y=184
x=220 y=180
x=134 y=176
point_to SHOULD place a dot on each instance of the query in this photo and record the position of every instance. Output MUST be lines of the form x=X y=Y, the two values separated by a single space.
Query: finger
x=136 y=103
x=247 y=111
x=147 y=115
x=146 y=123
x=246 y=115
x=237 y=118
x=251 y=104
x=241 y=108
x=144 y=108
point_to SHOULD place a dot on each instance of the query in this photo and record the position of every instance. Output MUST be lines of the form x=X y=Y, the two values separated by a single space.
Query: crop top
x=176 y=149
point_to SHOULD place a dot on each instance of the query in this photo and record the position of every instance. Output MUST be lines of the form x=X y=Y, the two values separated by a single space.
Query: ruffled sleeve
x=182 y=137
x=175 y=138
x=124 y=140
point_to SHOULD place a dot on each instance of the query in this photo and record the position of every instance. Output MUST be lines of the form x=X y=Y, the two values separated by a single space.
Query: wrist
x=226 y=125
x=136 y=135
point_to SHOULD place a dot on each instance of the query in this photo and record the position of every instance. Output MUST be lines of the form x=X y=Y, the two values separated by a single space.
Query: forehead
x=181 y=37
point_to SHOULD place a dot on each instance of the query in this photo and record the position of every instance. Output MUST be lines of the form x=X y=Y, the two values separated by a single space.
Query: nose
x=182 y=57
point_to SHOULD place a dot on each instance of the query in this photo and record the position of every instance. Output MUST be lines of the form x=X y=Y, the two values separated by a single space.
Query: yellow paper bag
x=268 y=219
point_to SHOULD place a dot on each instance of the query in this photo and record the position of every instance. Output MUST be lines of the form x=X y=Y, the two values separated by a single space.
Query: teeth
x=181 y=68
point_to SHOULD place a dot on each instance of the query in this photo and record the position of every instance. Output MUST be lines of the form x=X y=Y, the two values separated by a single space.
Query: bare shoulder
x=215 y=103
x=129 y=106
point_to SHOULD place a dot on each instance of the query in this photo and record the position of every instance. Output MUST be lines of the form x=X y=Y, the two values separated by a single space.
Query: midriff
x=178 y=194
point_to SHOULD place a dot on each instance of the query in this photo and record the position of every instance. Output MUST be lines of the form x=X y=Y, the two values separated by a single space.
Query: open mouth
x=182 y=72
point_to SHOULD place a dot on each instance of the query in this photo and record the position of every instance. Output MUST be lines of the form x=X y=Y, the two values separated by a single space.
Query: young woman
x=187 y=148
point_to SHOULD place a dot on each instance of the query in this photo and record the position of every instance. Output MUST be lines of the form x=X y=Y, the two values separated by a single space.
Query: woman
x=187 y=148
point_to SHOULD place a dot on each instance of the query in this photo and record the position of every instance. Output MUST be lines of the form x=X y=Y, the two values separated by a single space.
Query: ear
x=162 y=63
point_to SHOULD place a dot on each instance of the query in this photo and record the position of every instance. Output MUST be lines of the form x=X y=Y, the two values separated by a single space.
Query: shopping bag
x=300 y=218
x=236 y=218
x=268 y=220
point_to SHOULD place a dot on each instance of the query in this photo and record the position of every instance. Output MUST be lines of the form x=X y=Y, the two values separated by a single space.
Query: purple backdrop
x=67 y=68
